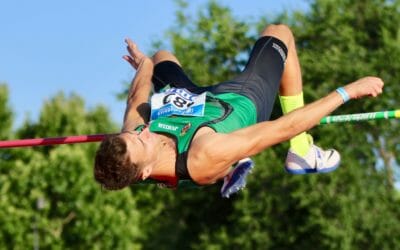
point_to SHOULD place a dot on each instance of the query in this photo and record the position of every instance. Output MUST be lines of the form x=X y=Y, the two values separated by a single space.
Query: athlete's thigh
x=170 y=73
x=261 y=77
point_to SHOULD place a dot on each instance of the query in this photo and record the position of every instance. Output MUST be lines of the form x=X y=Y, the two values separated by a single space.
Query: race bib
x=177 y=102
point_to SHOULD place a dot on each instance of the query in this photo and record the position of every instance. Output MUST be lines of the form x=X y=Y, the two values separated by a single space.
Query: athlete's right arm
x=218 y=151
x=137 y=107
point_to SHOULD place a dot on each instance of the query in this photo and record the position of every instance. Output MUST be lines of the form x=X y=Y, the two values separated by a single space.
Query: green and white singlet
x=223 y=113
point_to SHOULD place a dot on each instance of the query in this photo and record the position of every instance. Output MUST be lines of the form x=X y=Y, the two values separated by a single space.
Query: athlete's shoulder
x=203 y=167
x=200 y=143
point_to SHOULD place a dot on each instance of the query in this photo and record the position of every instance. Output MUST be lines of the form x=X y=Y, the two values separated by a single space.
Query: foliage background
x=48 y=197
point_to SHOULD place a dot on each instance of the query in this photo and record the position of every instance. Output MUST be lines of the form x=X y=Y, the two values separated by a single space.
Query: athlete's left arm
x=137 y=107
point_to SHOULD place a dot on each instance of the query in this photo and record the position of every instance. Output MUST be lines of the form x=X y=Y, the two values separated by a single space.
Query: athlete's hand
x=135 y=57
x=367 y=86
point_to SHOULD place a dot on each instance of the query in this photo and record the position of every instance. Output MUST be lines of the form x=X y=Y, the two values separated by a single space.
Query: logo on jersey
x=167 y=127
x=185 y=128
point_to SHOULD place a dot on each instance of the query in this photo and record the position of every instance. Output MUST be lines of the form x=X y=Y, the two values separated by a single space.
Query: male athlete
x=198 y=133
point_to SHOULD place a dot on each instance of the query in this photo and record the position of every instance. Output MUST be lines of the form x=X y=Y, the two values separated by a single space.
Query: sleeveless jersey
x=223 y=113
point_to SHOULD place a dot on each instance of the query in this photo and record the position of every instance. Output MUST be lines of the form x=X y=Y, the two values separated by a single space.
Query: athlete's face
x=139 y=146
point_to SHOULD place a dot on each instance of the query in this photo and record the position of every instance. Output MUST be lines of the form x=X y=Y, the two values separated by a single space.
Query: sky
x=76 y=46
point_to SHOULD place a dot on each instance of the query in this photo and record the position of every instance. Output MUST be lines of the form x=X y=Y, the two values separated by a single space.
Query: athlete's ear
x=146 y=172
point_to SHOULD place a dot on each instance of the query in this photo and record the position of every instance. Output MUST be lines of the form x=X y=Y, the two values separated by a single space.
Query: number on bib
x=177 y=102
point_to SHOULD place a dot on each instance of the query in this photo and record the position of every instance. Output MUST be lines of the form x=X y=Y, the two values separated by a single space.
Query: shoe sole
x=312 y=171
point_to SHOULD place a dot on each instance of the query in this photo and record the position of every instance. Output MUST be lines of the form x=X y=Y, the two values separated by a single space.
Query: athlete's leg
x=163 y=55
x=291 y=82
x=290 y=89
x=304 y=156
x=168 y=71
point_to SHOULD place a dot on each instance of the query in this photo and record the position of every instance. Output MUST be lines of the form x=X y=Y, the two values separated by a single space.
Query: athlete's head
x=119 y=161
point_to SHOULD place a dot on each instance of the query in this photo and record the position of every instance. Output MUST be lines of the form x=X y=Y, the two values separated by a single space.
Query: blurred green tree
x=48 y=193
x=355 y=207
x=48 y=197
x=6 y=116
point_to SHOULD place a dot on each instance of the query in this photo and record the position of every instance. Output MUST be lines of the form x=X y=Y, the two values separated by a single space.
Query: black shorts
x=259 y=81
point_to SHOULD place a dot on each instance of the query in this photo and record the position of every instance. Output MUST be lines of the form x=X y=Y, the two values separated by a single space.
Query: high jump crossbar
x=52 y=141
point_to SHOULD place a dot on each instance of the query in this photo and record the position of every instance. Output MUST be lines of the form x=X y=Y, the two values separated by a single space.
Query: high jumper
x=187 y=132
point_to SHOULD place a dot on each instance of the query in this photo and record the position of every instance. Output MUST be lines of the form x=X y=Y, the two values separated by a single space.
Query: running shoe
x=236 y=179
x=317 y=160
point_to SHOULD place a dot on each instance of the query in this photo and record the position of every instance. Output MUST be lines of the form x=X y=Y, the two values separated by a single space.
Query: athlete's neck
x=164 y=164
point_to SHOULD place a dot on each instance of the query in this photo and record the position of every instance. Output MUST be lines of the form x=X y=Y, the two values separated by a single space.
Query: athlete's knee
x=164 y=55
x=280 y=31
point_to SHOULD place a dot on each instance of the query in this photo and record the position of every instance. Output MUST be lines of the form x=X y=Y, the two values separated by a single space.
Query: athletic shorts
x=259 y=81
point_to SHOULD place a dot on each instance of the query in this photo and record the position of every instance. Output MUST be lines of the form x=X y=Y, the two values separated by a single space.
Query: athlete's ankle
x=301 y=143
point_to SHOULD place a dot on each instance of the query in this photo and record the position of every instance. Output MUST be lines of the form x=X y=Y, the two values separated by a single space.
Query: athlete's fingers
x=129 y=41
x=127 y=58
x=130 y=60
x=378 y=86
x=131 y=46
x=378 y=90
x=374 y=90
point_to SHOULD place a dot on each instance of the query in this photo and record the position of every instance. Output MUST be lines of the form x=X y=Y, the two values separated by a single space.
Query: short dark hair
x=112 y=167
